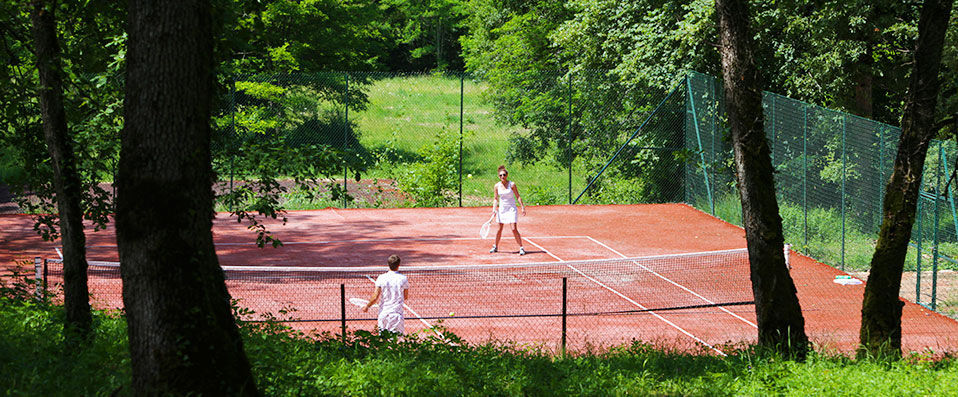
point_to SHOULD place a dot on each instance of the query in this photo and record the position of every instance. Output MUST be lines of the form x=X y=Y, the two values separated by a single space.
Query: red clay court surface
x=449 y=237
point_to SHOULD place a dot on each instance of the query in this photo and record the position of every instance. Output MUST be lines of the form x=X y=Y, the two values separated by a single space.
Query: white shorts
x=392 y=321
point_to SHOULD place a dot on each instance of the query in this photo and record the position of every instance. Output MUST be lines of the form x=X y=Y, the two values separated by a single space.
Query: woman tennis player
x=506 y=195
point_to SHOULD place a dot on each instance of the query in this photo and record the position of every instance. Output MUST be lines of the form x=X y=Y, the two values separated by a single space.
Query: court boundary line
x=630 y=300
x=697 y=295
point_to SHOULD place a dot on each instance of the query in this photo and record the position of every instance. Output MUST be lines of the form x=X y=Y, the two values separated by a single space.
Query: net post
x=38 y=277
x=564 y=315
x=342 y=308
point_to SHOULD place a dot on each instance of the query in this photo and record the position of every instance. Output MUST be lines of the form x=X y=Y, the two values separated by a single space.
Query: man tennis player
x=506 y=194
x=394 y=289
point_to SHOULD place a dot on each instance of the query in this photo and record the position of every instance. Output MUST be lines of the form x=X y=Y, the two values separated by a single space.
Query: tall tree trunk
x=864 y=85
x=66 y=177
x=881 y=307
x=183 y=338
x=780 y=324
x=862 y=69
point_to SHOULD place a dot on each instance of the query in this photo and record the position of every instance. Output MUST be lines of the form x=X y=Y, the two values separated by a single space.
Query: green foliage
x=427 y=34
x=572 y=112
x=355 y=35
x=33 y=360
x=508 y=46
x=645 y=43
x=538 y=195
x=287 y=36
x=432 y=182
x=821 y=53
x=259 y=163
x=90 y=37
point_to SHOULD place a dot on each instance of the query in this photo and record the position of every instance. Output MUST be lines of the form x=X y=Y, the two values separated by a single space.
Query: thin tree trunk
x=864 y=86
x=183 y=338
x=881 y=307
x=780 y=324
x=66 y=178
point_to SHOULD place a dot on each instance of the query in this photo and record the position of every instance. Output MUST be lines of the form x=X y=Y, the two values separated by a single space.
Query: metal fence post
x=231 y=143
x=843 y=190
x=342 y=308
x=462 y=78
x=934 y=262
x=345 y=139
x=698 y=139
x=569 y=136
x=714 y=132
x=564 y=313
x=918 y=254
x=805 y=176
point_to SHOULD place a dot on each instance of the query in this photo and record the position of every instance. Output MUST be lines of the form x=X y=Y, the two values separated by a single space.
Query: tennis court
x=665 y=274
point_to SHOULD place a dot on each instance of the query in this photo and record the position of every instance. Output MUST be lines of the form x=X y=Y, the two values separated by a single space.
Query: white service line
x=415 y=314
x=677 y=284
x=639 y=305
x=59 y=253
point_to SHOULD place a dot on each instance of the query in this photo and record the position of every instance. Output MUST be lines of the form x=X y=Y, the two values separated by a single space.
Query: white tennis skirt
x=508 y=215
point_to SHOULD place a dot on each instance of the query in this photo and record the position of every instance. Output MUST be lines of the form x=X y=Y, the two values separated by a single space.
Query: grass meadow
x=407 y=116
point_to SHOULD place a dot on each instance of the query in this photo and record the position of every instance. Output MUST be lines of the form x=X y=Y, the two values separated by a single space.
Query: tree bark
x=880 y=332
x=781 y=327
x=864 y=86
x=66 y=177
x=183 y=338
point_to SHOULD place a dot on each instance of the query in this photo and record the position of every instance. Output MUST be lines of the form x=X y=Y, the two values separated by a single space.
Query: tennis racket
x=360 y=303
x=484 y=230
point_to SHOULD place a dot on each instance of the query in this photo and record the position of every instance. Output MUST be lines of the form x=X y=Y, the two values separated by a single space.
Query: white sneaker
x=493 y=250
x=522 y=251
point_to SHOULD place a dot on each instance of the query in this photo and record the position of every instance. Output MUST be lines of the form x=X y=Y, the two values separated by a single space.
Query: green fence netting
x=831 y=170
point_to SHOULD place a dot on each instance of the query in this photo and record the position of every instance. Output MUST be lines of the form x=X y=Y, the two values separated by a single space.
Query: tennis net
x=657 y=289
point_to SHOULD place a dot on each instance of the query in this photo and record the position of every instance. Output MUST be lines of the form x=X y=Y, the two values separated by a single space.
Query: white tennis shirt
x=392 y=285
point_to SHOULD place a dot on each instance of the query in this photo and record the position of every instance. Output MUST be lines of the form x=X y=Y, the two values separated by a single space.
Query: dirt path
x=367 y=193
x=7 y=206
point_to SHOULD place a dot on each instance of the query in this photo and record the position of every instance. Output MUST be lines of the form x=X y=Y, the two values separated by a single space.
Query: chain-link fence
x=436 y=140
x=831 y=170
x=555 y=306
x=587 y=137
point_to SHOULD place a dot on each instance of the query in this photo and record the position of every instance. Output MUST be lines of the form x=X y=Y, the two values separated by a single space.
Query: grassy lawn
x=407 y=114
x=33 y=363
